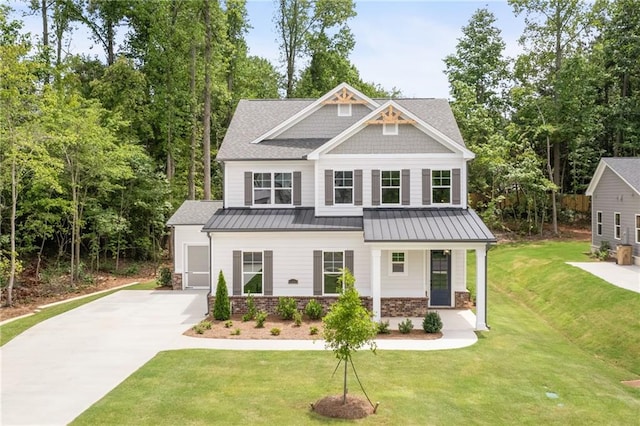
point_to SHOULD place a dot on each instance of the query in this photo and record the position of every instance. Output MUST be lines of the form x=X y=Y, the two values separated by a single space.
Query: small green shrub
x=205 y=324
x=164 y=276
x=405 y=326
x=198 y=329
x=130 y=270
x=286 y=307
x=313 y=330
x=432 y=322
x=235 y=332
x=603 y=251
x=275 y=331
x=297 y=318
x=228 y=324
x=313 y=309
x=383 y=327
x=251 y=309
x=261 y=317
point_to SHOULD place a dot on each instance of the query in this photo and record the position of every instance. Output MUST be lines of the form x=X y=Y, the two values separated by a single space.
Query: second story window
x=343 y=187
x=272 y=188
x=390 y=186
x=441 y=186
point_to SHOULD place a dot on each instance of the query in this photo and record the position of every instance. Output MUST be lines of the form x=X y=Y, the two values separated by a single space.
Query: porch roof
x=425 y=225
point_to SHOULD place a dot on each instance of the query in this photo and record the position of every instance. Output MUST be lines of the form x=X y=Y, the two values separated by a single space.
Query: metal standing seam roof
x=288 y=219
x=425 y=225
x=194 y=212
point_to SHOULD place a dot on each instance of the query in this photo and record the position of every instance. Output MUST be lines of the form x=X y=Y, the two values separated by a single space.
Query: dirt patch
x=288 y=330
x=332 y=406
x=632 y=383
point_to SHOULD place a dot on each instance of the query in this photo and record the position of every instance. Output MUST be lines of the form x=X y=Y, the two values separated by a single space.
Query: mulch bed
x=332 y=406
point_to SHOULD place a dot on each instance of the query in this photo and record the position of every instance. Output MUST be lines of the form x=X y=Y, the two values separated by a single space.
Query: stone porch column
x=375 y=283
x=481 y=289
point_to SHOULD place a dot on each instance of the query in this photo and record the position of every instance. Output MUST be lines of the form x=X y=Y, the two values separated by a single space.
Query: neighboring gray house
x=615 y=204
x=344 y=181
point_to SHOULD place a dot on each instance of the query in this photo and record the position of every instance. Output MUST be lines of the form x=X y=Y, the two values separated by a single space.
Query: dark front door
x=440 y=278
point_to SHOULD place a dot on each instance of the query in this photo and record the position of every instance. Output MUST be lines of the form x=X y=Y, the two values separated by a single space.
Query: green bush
x=228 y=324
x=275 y=331
x=405 y=326
x=205 y=324
x=603 y=251
x=297 y=318
x=383 y=327
x=235 y=332
x=251 y=309
x=221 y=306
x=198 y=329
x=261 y=317
x=286 y=307
x=164 y=276
x=432 y=322
x=313 y=330
x=313 y=309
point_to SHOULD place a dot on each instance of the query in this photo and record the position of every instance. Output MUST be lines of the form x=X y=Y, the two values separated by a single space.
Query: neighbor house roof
x=425 y=225
x=193 y=212
x=254 y=118
x=627 y=168
x=262 y=220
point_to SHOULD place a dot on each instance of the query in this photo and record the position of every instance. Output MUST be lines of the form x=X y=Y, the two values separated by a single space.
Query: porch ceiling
x=425 y=225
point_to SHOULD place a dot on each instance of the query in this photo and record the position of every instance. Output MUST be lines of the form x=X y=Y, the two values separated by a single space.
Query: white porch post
x=481 y=289
x=375 y=282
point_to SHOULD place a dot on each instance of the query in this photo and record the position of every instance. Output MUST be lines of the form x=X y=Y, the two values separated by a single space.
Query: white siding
x=410 y=285
x=366 y=164
x=186 y=235
x=234 y=179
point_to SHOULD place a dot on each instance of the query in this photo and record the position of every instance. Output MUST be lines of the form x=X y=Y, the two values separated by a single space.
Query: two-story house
x=314 y=186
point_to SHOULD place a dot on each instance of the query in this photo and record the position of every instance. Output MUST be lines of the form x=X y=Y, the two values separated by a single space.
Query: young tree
x=221 y=309
x=348 y=325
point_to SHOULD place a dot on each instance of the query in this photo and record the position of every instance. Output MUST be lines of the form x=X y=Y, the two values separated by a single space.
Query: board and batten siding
x=186 y=235
x=367 y=164
x=292 y=256
x=612 y=195
x=234 y=179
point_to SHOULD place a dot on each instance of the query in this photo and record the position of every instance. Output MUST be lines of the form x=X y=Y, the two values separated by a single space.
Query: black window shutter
x=455 y=183
x=426 y=187
x=237 y=273
x=357 y=187
x=348 y=260
x=317 y=272
x=267 y=275
x=406 y=187
x=328 y=187
x=297 y=188
x=375 y=187
x=248 y=188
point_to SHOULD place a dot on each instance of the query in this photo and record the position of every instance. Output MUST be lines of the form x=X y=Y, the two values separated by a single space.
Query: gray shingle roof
x=424 y=225
x=254 y=118
x=628 y=168
x=297 y=219
x=193 y=212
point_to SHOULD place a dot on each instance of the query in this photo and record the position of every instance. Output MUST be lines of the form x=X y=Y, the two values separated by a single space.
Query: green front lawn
x=534 y=348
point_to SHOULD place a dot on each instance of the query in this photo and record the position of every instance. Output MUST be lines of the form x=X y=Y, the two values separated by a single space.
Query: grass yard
x=534 y=348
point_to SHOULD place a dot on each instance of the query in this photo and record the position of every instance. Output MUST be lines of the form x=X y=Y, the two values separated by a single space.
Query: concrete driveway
x=57 y=369
x=623 y=276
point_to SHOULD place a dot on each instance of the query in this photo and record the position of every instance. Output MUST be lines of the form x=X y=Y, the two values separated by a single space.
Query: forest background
x=96 y=153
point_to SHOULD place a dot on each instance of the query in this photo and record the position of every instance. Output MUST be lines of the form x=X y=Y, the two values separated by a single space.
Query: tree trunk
x=45 y=37
x=344 y=394
x=110 y=36
x=194 y=125
x=554 y=207
x=14 y=204
x=206 y=119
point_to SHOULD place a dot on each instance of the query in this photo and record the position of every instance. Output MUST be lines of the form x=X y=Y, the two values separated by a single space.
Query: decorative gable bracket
x=344 y=97
x=391 y=115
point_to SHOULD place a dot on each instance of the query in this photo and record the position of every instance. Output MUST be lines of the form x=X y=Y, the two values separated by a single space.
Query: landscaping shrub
x=297 y=318
x=198 y=329
x=313 y=330
x=275 y=331
x=383 y=327
x=235 y=332
x=228 y=324
x=251 y=309
x=603 y=251
x=261 y=317
x=164 y=276
x=432 y=322
x=313 y=309
x=221 y=306
x=405 y=326
x=286 y=307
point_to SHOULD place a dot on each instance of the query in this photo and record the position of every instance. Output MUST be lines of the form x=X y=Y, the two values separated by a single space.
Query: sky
x=399 y=44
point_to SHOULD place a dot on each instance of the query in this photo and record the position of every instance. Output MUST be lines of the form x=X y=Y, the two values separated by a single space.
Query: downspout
x=210 y=275
x=486 y=284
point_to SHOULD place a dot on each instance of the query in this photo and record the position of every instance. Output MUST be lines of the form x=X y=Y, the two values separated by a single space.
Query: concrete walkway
x=623 y=276
x=57 y=369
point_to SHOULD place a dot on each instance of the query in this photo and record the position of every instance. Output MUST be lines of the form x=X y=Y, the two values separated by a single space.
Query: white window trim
x=599 y=223
x=344 y=112
x=617 y=227
x=323 y=271
x=450 y=186
x=352 y=188
x=390 y=129
x=272 y=190
x=637 y=229
x=382 y=187
x=405 y=271
x=261 y=273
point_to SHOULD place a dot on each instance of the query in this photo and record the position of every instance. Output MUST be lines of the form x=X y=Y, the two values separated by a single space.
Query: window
x=441 y=186
x=333 y=262
x=390 y=187
x=398 y=263
x=390 y=129
x=599 y=223
x=344 y=110
x=252 y=272
x=616 y=226
x=272 y=188
x=343 y=187
x=638 y=228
